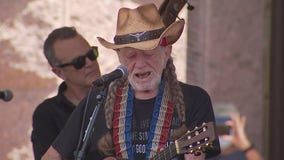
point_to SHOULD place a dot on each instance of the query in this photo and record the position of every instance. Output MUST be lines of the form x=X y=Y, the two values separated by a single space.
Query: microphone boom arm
x=81 y=153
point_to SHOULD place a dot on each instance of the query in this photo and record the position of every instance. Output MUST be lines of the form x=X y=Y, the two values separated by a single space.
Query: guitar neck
x=167 y=153
x=193 y=142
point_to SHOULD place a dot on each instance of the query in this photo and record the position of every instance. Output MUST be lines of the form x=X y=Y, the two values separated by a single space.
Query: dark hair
x=57 y=34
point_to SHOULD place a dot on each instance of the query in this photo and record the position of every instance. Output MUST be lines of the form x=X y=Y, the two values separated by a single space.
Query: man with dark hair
x=74 y=61
x=151 y=109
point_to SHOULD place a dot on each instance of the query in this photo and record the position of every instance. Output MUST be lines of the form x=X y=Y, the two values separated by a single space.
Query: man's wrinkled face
x=145 y=67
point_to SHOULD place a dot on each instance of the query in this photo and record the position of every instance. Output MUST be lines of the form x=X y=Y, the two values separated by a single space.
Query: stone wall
x=226 y=50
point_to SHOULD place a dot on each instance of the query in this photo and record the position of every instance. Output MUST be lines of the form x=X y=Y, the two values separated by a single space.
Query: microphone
x=120 y=72
x=6 y=95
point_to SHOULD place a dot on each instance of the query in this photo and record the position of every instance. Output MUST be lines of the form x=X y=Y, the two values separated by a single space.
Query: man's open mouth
x=142 y=75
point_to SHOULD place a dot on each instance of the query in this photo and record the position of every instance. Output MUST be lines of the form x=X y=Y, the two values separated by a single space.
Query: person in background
x=74 y=61
x=239 y=137
x=149 y=110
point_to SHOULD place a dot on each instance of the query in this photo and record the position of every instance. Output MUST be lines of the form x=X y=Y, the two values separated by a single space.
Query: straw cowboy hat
x=142 y=28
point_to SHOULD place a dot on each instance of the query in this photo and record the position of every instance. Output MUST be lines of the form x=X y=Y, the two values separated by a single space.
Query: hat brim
x=172 y=33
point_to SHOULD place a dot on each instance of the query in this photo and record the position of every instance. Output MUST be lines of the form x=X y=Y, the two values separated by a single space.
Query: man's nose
x=140 y=60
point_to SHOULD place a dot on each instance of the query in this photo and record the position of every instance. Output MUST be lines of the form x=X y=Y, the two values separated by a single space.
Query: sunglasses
x=79 y=62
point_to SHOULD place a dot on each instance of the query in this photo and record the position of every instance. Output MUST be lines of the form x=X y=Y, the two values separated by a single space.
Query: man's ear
x=58 y=72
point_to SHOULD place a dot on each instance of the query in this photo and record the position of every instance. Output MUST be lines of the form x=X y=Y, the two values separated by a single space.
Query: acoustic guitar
x=193 y=142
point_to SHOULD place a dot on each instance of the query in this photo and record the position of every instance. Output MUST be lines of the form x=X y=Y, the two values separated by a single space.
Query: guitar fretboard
x=167 y=153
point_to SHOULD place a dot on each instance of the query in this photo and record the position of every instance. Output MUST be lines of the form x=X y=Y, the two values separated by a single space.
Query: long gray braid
x=177 y=97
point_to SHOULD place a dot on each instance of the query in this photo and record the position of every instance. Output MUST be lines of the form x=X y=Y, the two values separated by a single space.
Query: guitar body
x=193 y=142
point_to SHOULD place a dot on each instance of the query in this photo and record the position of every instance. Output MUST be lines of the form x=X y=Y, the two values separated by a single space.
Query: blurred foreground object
x=6 y=95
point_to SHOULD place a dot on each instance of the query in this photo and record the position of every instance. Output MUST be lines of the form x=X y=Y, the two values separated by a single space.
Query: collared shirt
x=49 y=118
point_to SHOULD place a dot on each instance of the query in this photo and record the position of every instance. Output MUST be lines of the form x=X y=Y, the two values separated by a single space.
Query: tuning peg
x=209 y=144
x=196 y=133
x=189 y=7
x=189 y=137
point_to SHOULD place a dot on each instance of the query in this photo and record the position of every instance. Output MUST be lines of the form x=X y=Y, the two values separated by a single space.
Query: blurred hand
x=239 y=137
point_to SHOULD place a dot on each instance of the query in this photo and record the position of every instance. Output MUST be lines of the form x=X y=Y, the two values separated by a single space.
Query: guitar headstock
x=196 y=140
x=170 y=9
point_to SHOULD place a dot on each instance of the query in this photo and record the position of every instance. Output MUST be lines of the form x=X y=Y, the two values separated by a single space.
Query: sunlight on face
x=145 y=67
x=68 y=49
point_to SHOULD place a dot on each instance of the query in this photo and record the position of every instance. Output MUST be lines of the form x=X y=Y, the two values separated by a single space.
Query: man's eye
x=130 y=54
x=149 y=54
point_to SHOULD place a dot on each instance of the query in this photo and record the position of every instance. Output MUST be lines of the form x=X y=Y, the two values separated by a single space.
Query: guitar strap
x=122 y=121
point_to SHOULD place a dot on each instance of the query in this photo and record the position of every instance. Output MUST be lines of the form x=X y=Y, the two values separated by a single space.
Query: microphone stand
x=81 y=154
